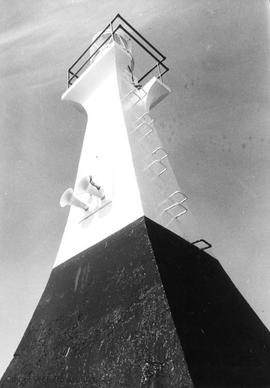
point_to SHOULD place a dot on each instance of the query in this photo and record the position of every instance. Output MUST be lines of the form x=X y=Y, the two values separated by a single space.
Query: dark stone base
x=104 y=320
x=225 y=343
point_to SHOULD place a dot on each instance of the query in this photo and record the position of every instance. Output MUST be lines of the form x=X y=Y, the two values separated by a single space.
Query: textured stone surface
x=103 y=321
x=224 y=342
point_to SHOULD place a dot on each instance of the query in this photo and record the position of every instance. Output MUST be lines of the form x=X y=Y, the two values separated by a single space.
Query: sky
x=215 y=126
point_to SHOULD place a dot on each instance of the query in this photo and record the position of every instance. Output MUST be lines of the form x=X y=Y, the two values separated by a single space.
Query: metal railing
x=206 y=246
x=119 y=23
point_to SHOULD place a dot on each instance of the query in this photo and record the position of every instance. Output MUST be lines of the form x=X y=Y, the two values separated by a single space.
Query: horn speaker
x=86 y=184
x=68 y=198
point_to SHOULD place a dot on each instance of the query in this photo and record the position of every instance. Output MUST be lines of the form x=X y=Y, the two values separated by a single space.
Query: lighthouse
x=121 y=150
x=134 y=299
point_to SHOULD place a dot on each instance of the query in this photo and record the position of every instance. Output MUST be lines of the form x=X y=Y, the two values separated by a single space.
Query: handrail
x=88 y=48
x=153 y=52
x=89 y=59
x=208 y=245
x=142 y=37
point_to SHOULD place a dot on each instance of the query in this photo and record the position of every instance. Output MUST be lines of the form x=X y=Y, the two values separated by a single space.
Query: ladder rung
x=157 y=161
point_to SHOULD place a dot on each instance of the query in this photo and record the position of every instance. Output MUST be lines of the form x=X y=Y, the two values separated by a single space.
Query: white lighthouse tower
x=121 y=151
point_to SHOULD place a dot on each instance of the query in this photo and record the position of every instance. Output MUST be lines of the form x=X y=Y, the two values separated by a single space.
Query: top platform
x=150 y=59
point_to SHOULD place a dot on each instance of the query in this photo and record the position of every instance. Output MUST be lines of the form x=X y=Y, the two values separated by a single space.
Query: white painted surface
x=105 y=155
x=121 y=157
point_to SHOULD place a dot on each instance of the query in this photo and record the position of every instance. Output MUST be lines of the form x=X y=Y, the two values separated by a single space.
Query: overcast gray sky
x=215 y=126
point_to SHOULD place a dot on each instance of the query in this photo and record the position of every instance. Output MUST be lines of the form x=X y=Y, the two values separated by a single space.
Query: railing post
x=111 y=24
x=159 y=73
